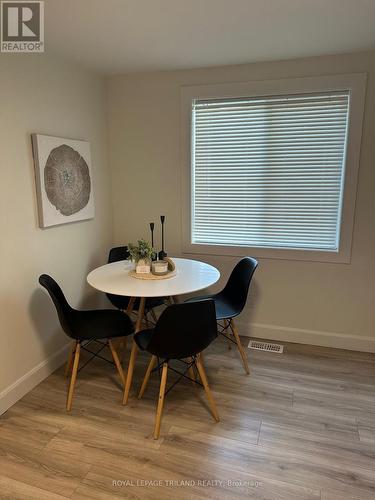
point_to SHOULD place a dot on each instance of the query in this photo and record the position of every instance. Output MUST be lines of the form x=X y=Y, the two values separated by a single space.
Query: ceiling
x=122 y=36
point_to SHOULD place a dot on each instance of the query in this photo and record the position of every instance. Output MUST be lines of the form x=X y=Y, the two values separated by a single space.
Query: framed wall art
x=63 y=180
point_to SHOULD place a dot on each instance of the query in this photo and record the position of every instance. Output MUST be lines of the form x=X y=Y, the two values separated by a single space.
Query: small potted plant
x=141 y=255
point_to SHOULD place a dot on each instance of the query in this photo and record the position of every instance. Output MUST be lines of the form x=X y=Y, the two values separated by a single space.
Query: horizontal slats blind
x=268 y=172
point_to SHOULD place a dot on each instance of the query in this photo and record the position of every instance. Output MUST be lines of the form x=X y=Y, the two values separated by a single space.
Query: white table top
x=191 y=276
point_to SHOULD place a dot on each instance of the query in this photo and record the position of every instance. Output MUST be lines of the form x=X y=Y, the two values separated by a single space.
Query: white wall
x=48 y=97
x=308 y=302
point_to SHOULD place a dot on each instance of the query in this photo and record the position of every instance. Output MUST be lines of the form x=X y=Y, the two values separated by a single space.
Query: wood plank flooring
x=300 y=427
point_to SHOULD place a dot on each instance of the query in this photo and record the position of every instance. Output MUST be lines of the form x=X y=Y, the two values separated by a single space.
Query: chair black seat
x=225 y=309
x=100 y=324
x=230 y=302
x=87 y=325
x=182 y=331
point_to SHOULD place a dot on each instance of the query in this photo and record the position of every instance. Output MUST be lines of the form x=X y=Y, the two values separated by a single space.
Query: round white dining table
x=191 y=276
x=114 y=278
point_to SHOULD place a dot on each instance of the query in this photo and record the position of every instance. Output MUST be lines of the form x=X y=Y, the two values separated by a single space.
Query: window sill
x=340 y=257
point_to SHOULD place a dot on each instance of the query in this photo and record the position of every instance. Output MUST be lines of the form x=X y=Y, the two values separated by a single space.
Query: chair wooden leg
x=129 y=309
x=117 y=362
x=134 y=352
x=147 y=376
x=73 y=377
x=241 y=349
x=227 y=332
x=69 y=363
x=159 y=409
x=207 y=389
x=122 y=348
x=123 y=341
x=129 y=375
x=141 y=312
x=196 y=368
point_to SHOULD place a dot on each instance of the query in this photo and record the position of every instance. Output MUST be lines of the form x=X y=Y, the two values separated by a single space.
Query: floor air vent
x=266 y=346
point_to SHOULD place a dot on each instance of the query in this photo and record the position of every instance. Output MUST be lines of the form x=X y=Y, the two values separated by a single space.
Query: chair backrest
x=184 y=330
x=64 y=310
x=237 y=287
x=118 y=253
x=115 y=255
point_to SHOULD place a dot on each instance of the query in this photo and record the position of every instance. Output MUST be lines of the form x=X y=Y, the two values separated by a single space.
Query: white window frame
x=355 y=83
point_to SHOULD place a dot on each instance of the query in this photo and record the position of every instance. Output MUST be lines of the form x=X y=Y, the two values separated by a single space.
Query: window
x=273 y=172
x=268 y=171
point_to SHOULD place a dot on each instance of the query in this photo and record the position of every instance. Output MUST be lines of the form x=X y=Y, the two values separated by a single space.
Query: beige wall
x=328 y=304
x=309 y=302
x=47 y=97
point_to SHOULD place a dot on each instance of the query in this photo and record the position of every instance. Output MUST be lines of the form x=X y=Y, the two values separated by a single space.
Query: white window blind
x=268 y=171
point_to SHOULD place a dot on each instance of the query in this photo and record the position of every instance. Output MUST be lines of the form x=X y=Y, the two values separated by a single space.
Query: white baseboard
x=27 y=382
x=311 y=337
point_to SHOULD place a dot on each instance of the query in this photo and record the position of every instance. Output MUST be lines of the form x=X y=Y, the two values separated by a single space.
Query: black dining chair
x=84 y=327
x=121 y=302
x=231 y=301
x=173 y=338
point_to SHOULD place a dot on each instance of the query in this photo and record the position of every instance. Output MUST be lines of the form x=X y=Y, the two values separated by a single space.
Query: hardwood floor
x=301 y=426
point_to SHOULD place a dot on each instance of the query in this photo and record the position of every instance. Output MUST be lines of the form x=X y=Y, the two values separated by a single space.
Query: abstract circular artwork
x=63 y=180
x=67 y=180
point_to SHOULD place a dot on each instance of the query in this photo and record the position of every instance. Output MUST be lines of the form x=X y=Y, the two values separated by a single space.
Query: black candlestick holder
x=162 y=253
x=152 y=226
